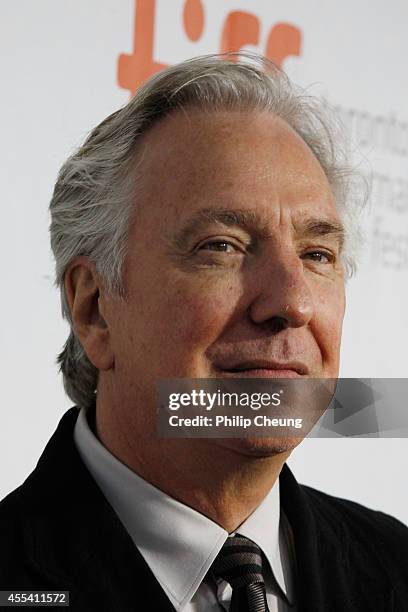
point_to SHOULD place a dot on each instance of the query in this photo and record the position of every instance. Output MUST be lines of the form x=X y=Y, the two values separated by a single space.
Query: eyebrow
x=251 y=221
x=245 y=219
x=315 y=227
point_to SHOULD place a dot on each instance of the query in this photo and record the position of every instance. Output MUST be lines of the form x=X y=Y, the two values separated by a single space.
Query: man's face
x=233 y=266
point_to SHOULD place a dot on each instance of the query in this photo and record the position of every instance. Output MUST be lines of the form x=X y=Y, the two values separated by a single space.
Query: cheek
x=200 y=315
x=328 y=318
x=176 y=314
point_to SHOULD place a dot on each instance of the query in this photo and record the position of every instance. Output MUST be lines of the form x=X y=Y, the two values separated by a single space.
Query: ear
x=83 y=289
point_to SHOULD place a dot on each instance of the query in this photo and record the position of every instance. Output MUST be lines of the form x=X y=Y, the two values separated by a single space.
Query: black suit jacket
x=58 y=532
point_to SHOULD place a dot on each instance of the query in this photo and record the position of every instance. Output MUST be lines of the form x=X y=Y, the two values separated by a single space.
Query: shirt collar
x=178 y=543
x=262 y=527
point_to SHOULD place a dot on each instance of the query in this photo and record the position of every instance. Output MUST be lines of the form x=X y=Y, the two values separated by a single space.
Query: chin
x=260 y=447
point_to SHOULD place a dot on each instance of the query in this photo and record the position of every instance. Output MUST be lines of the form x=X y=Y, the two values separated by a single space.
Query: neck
x=224 y=480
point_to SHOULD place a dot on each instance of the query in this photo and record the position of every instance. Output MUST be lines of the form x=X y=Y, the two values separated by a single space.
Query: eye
x=323 y=257
x=221 y=246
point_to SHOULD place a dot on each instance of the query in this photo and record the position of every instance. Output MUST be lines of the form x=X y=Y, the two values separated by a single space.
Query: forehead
x=251 y=159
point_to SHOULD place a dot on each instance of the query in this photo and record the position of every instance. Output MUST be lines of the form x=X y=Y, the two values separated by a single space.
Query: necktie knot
x=239 y=562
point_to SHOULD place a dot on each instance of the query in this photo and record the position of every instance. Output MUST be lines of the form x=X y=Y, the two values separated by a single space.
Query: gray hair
x=94 y=196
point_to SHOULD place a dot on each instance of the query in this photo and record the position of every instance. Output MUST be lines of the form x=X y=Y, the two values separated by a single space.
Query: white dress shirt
x=178 y=543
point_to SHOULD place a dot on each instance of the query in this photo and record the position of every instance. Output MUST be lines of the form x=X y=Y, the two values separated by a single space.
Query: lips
x=265 y=369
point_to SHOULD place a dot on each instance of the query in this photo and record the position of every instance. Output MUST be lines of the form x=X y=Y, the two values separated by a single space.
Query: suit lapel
x=332 y=572
x=76 y=538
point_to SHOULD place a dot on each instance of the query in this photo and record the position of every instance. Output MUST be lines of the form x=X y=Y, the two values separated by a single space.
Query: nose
x=284 y=298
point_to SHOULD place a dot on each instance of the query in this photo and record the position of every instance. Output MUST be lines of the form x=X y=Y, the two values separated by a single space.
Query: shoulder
x=38 y=506
x=369 y=531
x=11 y=511
x=355 y=514
x=13 y=537
x=48 y=486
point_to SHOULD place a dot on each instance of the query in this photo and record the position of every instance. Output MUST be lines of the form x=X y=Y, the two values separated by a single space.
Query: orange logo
x=240 y=28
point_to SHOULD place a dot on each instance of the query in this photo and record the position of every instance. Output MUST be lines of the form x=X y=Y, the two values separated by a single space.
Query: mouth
x=265 y=369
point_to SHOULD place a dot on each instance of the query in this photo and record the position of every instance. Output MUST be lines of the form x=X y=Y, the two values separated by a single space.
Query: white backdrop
x=59 y=70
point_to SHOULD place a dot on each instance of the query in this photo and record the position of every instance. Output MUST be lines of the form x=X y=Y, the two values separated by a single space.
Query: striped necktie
x=239 y=562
